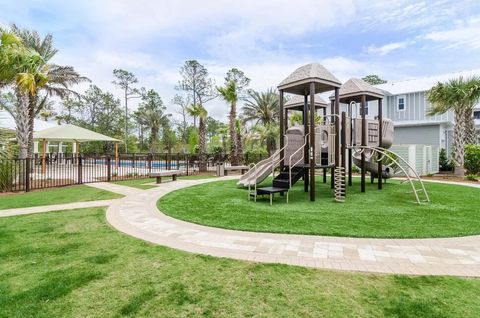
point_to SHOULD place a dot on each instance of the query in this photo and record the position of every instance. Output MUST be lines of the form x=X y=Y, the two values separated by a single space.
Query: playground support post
x=312 y=141
x=364 y=141
x=307 y=145
x=344 y=145
x=332 y=119
x=282 y=132
x=380 y=142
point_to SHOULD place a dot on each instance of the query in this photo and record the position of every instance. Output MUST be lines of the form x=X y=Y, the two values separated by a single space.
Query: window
x=366 y=110
x=476 y=114
x=401 y=103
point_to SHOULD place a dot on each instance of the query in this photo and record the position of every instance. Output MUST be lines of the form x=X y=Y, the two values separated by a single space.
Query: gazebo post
x=380 y=141
x=282 y=132
x=116 y=156
x=364 y=141
x=286 y=119
x=44 y=151
x=305 y=151
x=312 y=141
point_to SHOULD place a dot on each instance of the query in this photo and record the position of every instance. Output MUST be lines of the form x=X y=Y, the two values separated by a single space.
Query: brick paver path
x=137 y=215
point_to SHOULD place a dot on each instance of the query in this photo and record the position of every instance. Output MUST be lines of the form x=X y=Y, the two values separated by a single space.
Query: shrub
x=472 y=177
x=255 y=154
x=355 y=169
x=6 y=176
x=472 y=159
x=445 y=164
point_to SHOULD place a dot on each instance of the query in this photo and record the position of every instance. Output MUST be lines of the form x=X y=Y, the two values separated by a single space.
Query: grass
x=143 y=183
x=390 y=213
x=70 y=194
x=137 y=183
x=75 y=265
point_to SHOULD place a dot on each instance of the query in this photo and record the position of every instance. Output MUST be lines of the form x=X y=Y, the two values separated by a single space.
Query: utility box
x=220 y=169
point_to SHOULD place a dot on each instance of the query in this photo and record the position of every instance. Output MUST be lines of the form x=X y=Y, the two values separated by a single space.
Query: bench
x=243 y=169
x=168 y=173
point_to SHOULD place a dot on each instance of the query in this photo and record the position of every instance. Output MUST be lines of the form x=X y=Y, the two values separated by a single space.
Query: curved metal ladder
x=388 y=153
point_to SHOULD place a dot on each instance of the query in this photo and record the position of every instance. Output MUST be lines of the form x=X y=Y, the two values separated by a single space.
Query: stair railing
x=280 y=159
x=290 y=166
x=255 y=165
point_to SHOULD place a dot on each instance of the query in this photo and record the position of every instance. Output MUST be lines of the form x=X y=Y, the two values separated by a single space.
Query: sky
x=267 y=39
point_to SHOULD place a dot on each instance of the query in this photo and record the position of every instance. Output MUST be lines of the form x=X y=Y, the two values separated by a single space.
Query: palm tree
x=267 y=135
x=201 y=113
x=151 y=114
x=60 y=78
x=23 y=69
x=262 y=107
x=240 y=131
x=230 y=94
x=459 y=95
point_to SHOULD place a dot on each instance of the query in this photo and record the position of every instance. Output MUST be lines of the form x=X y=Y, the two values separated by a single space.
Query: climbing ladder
x=397 y=160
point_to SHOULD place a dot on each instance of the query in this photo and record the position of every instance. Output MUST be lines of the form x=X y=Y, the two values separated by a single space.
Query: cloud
x=464 y=34
x=387 y=48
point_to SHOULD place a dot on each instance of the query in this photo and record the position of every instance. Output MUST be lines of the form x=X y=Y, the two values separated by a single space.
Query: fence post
x=80 y=172
x=186 y=161
x=149 y=162
x=27 y=174
x=109 y=168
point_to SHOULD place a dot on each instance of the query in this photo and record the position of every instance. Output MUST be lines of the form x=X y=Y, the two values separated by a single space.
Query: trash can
x=220 y=169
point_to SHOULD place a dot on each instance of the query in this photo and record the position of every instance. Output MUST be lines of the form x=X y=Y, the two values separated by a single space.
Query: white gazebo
x=69 y=133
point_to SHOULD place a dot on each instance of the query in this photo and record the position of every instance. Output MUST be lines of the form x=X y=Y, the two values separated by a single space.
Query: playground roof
x=297 y=102
x=299 y=81
x=70 y=133
x=355 y=88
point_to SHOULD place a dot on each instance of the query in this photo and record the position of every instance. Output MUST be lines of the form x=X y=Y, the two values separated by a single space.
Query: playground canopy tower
x=356 y=91
x=307 y=81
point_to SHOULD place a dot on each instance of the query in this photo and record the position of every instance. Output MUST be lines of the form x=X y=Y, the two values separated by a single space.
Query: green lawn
x=453 y=210
x=137 y=183
x=141 y=183
x=70 y=194
x=75 y=265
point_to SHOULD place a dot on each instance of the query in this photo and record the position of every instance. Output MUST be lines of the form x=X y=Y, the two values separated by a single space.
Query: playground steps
x=282 y=179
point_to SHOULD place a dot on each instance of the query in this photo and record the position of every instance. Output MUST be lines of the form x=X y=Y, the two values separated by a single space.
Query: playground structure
x=332 y=140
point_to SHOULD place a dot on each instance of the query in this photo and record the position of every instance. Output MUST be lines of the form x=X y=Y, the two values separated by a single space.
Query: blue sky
x=396 y=39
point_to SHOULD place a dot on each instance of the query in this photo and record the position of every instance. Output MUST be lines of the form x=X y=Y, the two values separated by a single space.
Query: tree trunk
x=239 y=147
x=233 y=135
x=32 y=111
x=459 y=142
x=270 y=146
x=154 y=140
x=470 y=132
x=23 y=124
x=202 y=155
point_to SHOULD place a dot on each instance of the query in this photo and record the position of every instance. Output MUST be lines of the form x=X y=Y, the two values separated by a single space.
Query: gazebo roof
x=299 y=81
x=297 y=102
x=70 y=133
x=354 y=88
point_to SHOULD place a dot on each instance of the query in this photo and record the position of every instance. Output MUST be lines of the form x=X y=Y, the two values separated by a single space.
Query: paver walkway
x=75 y=205
x=56 y=207
x=137 y=215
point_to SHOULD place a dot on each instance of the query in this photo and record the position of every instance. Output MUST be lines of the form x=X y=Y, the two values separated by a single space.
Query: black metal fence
x=57 y=170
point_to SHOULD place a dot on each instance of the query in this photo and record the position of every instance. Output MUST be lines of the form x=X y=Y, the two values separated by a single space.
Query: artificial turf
x=75 y=265
x=390 y=213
